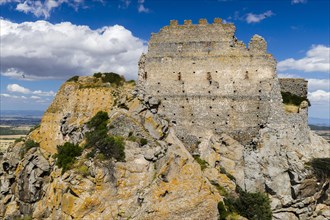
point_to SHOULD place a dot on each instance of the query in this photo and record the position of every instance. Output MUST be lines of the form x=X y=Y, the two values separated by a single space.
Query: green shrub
x=289 y=98
x=99 y=120
x=83 y=170
x=143 y=141
x=66 y=155
x=132 y=82
x=201 y=162
x=97 y=75
x=100 y=157
x=91 y=154
x=112 y=146
x=19 y=139
x=222 y=211
x=321 y=167
x=221 y=189
x=27 y=146
x=254 y=206
x=109 y=146
x=132 y=138
x=73 y=79
x=112 y=78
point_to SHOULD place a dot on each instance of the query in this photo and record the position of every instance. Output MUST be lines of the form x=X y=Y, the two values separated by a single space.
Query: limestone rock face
x=74 y=104
x=171 y=187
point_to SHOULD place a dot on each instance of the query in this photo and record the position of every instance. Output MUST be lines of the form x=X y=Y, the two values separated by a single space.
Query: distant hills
x=314 y=123
x=319 y=121
x=21 y=113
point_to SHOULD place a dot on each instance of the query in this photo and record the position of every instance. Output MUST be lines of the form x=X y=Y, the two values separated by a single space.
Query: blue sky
x=45 y=42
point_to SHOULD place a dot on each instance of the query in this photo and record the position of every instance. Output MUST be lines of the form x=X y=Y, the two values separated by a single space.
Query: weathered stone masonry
x=294 y=86
x=208 y=81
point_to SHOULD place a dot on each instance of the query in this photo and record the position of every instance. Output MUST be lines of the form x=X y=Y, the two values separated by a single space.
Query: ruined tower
x=208 y=81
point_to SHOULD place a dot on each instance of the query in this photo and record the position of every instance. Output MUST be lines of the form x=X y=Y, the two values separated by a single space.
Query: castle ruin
x=208 y=81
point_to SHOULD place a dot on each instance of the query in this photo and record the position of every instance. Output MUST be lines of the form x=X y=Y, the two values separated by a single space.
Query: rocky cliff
x=160 y=178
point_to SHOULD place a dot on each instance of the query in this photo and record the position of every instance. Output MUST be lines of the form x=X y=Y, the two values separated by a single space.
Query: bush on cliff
x=321 y=167
x=27 y=146
x=109 y=146
x=66 y=155
x=292 y=99
x=253 y=206
x=99 y=121
x=112 y=78
x=73 y=79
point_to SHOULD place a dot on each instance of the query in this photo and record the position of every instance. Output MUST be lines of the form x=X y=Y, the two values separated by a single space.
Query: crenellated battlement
x=209 y=81
x=202 y=21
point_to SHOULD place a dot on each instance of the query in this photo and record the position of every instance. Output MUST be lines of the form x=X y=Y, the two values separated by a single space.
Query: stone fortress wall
x=208 y=81
x=294 y=85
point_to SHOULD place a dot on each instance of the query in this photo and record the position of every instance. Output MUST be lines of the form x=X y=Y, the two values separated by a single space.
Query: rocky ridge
x=161 y=179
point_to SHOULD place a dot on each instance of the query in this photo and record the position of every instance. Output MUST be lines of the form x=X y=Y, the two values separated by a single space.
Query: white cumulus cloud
x=5 y=95
x=15 y=88
x=35 y=97
x=256 y=18
x=317 y=59
x=319 y=97
x=141 y=7
x=298 y=1
x=41 y=8
x=318 y=84
x=2 y=2
x=42 y=50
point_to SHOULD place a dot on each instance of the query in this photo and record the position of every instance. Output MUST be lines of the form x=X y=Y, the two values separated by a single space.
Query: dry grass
x=291 y=108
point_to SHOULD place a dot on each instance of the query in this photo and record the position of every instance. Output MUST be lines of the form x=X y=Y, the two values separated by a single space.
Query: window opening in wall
x=157 y=91
x=187 y=99
x=179 y=76
x=217 y=115
x=209 y=92
x=158 y=83
x=194 y=72
x=208 y=76
x=182 y=106
x=182 y=91
x=216 y=71
x=193 y=63
x=213 y=122
x=258 y=107
x=192 y=122
x=165 y=99
x=192 y=114
x=210 y=107
x=145 y=76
